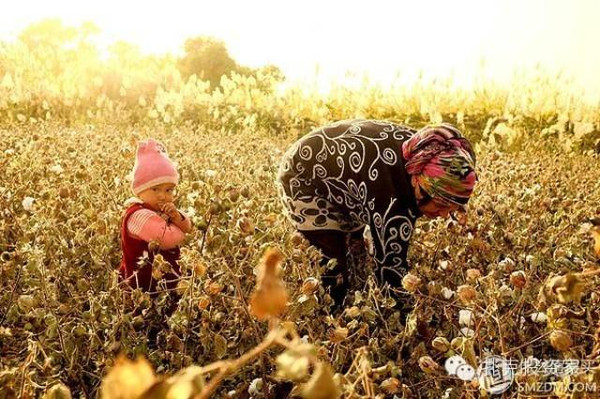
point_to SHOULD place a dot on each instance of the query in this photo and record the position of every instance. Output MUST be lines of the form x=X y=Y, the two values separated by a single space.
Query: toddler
x=152 y=224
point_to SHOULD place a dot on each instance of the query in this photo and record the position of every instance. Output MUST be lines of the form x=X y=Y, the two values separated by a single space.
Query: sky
x=387 y=39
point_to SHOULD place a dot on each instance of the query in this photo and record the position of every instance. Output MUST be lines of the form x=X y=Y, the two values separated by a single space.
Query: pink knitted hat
x=152 y=167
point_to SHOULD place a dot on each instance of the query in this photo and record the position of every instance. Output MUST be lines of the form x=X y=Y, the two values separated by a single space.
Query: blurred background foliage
x=53 y=72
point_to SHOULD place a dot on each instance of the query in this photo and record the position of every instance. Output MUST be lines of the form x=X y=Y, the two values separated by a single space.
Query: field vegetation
x=517 y=277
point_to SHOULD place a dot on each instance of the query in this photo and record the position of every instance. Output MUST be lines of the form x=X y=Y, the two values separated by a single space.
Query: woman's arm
x=148 y=226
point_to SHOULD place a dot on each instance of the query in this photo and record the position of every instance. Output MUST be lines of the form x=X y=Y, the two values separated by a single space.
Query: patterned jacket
x=350 y=174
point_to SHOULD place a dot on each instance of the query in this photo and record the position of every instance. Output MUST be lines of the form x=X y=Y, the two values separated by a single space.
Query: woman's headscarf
x=441 y=164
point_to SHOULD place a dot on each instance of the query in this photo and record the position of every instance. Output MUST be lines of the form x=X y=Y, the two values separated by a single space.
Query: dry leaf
x=518 y=279
x=557 y=311
x=561 y=340
x=128 y=379
x=270 y=219
x=220 y=345
x=411 y=324
x=428 y=365
x=161 y=266
x=154 y=246
x=478 y=244
x=441 y=344
x=473 y=275
x=390 y=386
x=270 y=297
x=321 y=384
x=310 y=285
x=464 y=347
x=411 y=283
x=186 y=383
x=157 y=274
x=352 y=312
x=245 y=225
x=200 y=269
x=595 y=231
x=213 y=287
x=466 y=293
x=182 y=286
x=567 y=288
x=58 y=391
x=338 y=335
x=203 y=302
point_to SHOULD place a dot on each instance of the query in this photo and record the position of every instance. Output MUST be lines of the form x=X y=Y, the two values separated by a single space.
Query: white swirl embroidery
x=307 y=172
x=388 y=229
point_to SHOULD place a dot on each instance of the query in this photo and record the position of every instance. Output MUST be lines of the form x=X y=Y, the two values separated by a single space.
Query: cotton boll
x=445 y=265
x=465 y=318
x=255 y=386
x=529 y=258
x=447 y=293
x=539 y=317
x=28 y=203
x=57 y=169
x=507 y=265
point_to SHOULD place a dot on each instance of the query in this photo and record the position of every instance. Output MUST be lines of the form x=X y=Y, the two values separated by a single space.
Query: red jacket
x=140 y=275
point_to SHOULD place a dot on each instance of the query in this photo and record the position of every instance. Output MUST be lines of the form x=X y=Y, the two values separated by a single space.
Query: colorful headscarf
x=441 y=164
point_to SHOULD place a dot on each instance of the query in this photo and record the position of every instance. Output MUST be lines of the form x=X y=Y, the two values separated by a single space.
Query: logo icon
x=465 y=372
x=495 y=374
x=457 y=365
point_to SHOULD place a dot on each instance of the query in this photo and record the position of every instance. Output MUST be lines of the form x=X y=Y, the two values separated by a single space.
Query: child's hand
x=170 y=210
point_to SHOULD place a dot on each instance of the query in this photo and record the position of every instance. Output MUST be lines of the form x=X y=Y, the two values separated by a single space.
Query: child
x=152 y=224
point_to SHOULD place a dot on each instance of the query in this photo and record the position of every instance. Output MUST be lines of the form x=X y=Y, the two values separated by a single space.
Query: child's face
x=158 y=195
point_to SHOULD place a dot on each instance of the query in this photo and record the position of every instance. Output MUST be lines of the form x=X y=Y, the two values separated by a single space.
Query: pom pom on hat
x=152 y=167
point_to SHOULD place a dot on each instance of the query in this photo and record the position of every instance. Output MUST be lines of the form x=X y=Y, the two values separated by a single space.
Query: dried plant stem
x=589 y=273
x=367 y=381
x=110 y=194
x=526 y=343
x=61 y=340
x=210 y=216
x=230 y=366
x=187 y=334
x=387 y=329
x=28 y=361
x=242 y=299
x=12 y=292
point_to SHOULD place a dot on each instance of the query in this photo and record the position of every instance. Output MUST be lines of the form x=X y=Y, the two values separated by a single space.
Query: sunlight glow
x=395 y=40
